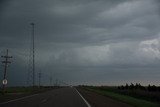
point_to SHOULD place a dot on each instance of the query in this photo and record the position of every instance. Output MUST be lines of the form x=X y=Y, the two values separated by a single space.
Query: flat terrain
x=64 y=97
x=111 y=92
x=97 y=100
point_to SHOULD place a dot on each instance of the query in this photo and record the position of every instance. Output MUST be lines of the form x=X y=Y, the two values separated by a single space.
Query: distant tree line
x=138 y=86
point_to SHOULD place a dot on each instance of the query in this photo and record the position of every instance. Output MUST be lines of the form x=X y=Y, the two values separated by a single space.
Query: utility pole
x=56 y=82
x=39 y=76
x=5 y=62
x=33 y=55
x=50 y=81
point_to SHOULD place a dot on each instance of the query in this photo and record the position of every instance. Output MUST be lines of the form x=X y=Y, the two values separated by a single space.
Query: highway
x=63 y=97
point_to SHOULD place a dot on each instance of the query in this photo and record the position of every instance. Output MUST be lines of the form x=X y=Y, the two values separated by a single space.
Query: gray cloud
x=84 y=41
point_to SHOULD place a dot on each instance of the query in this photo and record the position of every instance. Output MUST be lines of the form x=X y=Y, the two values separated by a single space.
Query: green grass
x=124 y=98
x=18 y=90
x=23 y=90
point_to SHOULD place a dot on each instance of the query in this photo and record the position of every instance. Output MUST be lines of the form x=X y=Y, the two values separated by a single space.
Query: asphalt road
x=63 y=97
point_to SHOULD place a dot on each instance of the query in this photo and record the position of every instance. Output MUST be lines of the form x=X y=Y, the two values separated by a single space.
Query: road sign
x=4 y=82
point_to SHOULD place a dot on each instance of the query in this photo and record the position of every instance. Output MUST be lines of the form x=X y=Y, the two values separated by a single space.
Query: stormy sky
x=96 y=42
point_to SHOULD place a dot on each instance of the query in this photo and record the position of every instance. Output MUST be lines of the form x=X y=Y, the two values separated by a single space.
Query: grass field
x=21 y=90
x=124 y=98
x=17 y=92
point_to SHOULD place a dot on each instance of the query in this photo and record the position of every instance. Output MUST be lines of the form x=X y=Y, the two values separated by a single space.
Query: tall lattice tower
x=31 y=63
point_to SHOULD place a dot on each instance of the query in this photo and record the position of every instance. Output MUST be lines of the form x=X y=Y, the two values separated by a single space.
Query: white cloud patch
x=150 y=48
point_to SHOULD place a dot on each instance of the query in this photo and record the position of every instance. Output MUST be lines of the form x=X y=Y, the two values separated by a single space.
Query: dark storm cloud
x=59 y=21
x=3 y=4
x=63 y=19
x=76 y=38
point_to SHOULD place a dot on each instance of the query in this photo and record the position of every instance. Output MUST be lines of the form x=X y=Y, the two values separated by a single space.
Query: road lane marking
x=83 y=98
x=44 y=100
x=18 y=99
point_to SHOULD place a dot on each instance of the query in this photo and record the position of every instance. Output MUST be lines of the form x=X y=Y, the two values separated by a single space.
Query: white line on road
x=83 y=98
x=18 y=99
x=44 y=100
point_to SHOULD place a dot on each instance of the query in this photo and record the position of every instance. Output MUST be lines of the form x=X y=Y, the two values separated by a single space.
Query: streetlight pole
x=33 y=55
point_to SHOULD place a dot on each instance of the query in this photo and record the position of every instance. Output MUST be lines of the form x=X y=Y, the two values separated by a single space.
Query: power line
x=39 y=77
x=50 y=79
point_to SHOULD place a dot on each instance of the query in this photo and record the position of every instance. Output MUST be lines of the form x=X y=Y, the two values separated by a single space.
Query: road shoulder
x=97 y=100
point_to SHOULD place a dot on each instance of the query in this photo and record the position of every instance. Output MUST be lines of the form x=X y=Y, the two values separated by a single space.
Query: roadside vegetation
x=12 y=90
x=150 y=92
x=17 y=92
x=136 y=95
